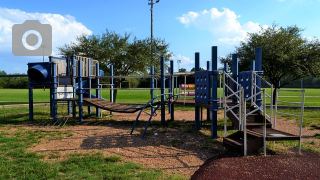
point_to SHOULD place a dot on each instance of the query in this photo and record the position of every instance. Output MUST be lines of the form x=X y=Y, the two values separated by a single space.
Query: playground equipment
x=248 y=109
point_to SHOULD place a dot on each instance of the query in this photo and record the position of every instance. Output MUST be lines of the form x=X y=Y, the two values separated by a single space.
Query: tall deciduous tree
x=286 y=54
x=127 y=54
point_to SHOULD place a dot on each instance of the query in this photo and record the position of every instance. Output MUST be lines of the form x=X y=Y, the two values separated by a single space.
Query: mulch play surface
x=286 y=166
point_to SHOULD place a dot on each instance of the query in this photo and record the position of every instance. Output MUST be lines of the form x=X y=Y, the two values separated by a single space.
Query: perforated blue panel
x=244 y=79
x=202 y=83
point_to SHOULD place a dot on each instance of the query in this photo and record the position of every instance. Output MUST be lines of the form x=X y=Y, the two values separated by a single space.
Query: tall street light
x=151 y=9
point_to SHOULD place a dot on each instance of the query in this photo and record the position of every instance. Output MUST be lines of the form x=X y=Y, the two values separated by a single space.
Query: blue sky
x=188 y=25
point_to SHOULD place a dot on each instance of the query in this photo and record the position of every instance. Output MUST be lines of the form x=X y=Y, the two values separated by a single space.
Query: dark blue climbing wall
x=202 y=83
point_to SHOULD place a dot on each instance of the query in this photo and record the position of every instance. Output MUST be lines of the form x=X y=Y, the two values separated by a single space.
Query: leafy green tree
x=182 y=70
x=193 y=69
x=286 y=54
x=127 y=54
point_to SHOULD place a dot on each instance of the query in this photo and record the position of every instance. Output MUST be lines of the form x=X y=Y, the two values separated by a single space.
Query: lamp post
x=151 y=9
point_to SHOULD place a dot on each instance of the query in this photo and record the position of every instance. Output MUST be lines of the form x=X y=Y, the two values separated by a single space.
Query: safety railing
x=256 y=88
x=298 y=104
x=238 y=95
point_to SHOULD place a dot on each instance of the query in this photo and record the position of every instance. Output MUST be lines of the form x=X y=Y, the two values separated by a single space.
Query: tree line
x=13 y=82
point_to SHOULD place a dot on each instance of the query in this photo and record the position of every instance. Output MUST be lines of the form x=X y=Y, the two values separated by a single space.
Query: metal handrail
x=301 y=115
x=238 y=94
x=255 y=87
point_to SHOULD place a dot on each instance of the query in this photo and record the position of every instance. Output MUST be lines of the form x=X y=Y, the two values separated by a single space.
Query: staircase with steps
x=254 y=125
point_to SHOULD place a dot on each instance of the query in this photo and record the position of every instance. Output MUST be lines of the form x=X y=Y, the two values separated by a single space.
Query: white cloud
x=224 y=26
x=64 y=28
x=184 y=60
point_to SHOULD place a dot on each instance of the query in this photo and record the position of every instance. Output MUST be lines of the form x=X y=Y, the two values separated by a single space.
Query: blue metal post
x=112 y=86
x=214 y=104
x=68 y=74
x=197 y=108
x=89 y=84
x=152 y=86
x=80 y=93
x=55 y=83
x=97 y=90
x=253 y=66
x=163 y=110
x=258 y=67
x=208 y=110
x=234 y=74
x=73 y=63
x=31 y=102
x=51 y=92
x=172 y=89
x=226 y=69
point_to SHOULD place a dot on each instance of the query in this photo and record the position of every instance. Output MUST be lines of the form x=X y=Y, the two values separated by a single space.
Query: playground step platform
x=253 y=121
x=235 y=141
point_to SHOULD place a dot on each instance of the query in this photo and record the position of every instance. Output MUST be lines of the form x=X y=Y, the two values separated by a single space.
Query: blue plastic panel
x=245 y=79
x=202 y=83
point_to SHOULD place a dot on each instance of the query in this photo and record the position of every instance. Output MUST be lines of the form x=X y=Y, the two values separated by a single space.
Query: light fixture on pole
x=179 y=62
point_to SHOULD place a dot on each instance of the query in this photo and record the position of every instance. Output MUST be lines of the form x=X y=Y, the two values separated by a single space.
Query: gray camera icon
x=31 y=39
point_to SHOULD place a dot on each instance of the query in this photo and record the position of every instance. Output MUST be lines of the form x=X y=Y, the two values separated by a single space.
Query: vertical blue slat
x=234 y=74
x=73 y=63
x=80 y=93
x=68 y=74
x=55 y=105
x=152 y=86
x=170 y=83
x=163 y=110
x=112 y=85
x=214 y=105
x=51 y=89
x=253 y=66
x=208 y=110
x=31 y=102
x=258 y=67
x=89 y=84
x=97 y=90
x=226 y=69
x=172 y=89
x=197 y=108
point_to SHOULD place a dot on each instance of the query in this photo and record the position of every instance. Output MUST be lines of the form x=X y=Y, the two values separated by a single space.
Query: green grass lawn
x=19 y=96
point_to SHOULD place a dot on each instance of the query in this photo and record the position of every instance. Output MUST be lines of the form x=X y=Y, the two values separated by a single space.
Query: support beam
x=152 y=86
x=235 y=71
x=214 y=102
x=89 y=84
x=73 y=64
x=162 y=82
x=97 y=89
x=80 y=93
x=30 y=102
x=258 y=67
x=54 y=85
x=197 y=108
x=112 y=86
x=172 y=89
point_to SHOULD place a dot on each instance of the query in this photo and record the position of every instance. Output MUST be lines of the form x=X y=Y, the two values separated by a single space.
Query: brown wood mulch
x=284 y=166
